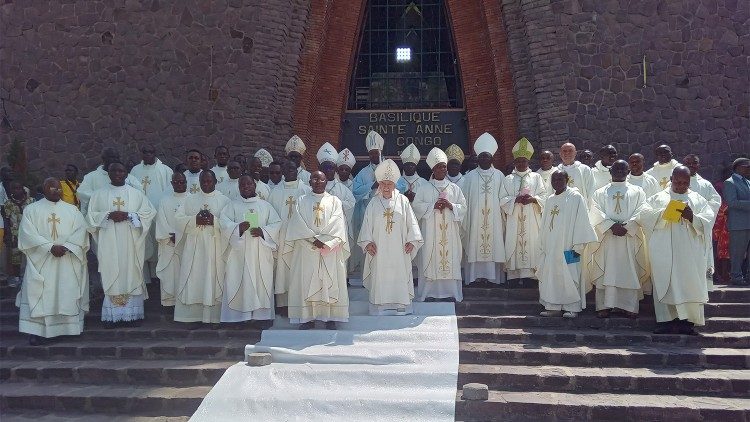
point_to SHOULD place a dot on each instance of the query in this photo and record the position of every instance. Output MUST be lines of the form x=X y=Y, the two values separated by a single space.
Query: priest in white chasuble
x=221 y=155
x=317 y=259
x=193 y=162
x=440 y=208
x=456 y=159
x=99 y=178
x=284 y=199
x=295 y=151
x=662 y=169
x=677 y=252
x=168 y=264
x=390 y=237
x=344 y=165
x=155 y=178
x=364 y=188
x=251 y=227
x=201 y=248
x=638 y=178
x=619 y=265
x=411 y=182
x=119 y=218
x=579 y=174
x=55 y=291
x=565 y=232
x=255 y=168
x=522 y=198
x=230 y=186
x=546 y=168
x=600 y=171
x=483 y=231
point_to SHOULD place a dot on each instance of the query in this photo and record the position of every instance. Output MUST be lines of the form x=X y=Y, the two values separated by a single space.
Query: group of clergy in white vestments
x=229 y=247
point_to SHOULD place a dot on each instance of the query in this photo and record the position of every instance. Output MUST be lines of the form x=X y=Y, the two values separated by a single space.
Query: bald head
x=51 y=189
x=680 y=179
x=568 y=153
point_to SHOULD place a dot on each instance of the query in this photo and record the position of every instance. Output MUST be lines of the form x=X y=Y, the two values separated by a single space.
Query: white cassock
x=646 y=182
x=55 y=291
x=362 y=190
x=348 y=202
x=121 y=249
x=193 y=181
x=168 y=264
x=706 y=189
x=248 y=280
x=523 y=222
x=390 y=224
x=677 y=252
x=601 y=176
x=482 y=226
x=440 y=266
x=547 y=179
x=230 y=188
x=565 y=227
x=412 y=183
x=156 y=182
x=96 y=180
x=579 y=177
x=284 y=200
x=619 y=265
x=317 y=278
x=221 y=173
x=200 y=285
x=662 y=172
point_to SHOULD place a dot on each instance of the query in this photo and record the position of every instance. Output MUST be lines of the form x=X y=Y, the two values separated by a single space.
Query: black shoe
x=330 y=325
x=194 y=326
x=37 y=340
x=664 y=328
x=307 y=326
x=263 y=324
x=686 y=328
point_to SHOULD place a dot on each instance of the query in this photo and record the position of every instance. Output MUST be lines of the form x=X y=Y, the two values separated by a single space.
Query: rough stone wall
x=76 y=75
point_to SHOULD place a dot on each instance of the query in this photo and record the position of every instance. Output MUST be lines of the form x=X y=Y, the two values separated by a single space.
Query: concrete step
x=145 y=349
x=678 y=381
x=551 y=406
x=634 y=356
x=590 y=337
x=132 y=400
x=164 y=372
x=589 y=320
x=52 y=416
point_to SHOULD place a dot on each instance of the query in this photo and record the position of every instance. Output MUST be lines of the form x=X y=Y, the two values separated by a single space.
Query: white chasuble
x=168 y=263
x=248 y=279
x=646 y=182
x=96 y=180
x=390 y=224
x=193 y=181
x=565 y=227
x=482 y=226
x=55 y=291
x=523 y=222
x=580 y=177
x=348 y=202
x=220 y=173
x=547 y=179
x=601 y=175
x=317 y=277
x=663 y=172
x=121 y=249
x=706 y=189
x=156 y=183
x=440 y=266
x=230 y=188
x=284 y=199
x=200 y=285
x=619 y=265
x=677 y=253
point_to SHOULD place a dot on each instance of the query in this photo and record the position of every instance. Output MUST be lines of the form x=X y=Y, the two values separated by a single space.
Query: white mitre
x=485 y=143
x=436 y=156
x=374 y=141
x=346 y=158
x=327 y=153
x=410 y=154
x=295 y=144
x=387 y=170
x=264 y=156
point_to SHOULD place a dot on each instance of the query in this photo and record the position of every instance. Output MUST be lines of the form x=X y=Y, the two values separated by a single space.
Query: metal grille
x=384 y=79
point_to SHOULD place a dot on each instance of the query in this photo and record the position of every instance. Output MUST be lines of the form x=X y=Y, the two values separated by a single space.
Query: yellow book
x=673 y=213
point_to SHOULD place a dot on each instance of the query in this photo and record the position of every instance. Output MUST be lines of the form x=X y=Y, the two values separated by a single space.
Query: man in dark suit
x=737 y=196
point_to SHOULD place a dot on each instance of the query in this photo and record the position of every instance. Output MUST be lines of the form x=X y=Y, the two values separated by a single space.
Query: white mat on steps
x=386 y=368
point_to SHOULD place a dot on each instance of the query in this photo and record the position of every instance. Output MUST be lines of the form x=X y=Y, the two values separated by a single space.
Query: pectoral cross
x=290 y=202
x=118 y=203
x=54 y=220
x=571 y=182
x=388 y=214
x=145 y=182
x=555 y=211
x=318 y=210
x=617 y=197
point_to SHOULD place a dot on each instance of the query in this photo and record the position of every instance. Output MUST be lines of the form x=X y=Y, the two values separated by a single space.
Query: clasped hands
x=372 y=249
x=254 y=232
x=118 y=216
x=618 y=229
x=442 y=204
x=525 y=199
x=58 y=250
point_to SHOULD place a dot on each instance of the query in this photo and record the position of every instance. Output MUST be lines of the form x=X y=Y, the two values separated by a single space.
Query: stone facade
x=248 y=73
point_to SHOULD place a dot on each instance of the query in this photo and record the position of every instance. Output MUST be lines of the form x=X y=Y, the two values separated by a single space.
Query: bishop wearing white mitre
x=55 y=291
x=483 y=239
x=390 y=237
x=251 y=227
x=317 y=258
x=440 y=208
x=327 y=157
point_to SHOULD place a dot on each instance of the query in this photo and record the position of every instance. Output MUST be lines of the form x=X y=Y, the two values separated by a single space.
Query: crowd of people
x=251 y=238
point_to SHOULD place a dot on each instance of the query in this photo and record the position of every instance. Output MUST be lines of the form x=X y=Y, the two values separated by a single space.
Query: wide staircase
x=536 y=368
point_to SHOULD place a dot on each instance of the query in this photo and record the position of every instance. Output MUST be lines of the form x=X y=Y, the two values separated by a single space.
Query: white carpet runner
x=385 y=368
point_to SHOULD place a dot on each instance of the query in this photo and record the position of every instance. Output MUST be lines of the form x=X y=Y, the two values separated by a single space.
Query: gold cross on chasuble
x=554 y=212
x=119 y=203
x=318 y=210
x=194 y=188
x=617 y=197
x=145 y=182
x=663 y=182
x=54 y=220
x=290 y=202
x=388 y=214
